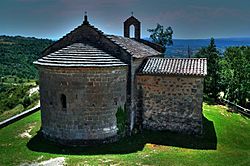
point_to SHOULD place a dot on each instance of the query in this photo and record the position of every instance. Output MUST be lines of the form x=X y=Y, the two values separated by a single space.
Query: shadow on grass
x=209 y=100
x=134 y=143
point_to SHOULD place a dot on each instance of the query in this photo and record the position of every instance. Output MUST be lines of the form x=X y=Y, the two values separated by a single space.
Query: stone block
x=175 y=106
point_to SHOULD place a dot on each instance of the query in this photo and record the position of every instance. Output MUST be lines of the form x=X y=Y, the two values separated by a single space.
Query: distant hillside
x=180 y=47
x=17 y=54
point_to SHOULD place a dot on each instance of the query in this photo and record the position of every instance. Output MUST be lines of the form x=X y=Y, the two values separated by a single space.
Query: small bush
x=26 y=101
x=121 y=119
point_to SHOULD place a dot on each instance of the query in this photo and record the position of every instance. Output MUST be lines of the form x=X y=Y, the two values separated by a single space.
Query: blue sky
x=188 y=18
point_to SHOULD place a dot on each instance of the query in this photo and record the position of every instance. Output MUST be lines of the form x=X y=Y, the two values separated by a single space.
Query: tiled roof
x=136 y=49
x=79 y=55
x=69 y=37
x=175 y=66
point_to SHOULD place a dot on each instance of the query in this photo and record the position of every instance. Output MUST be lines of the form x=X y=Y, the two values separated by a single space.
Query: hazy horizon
x=234 y=38
x=189 y=19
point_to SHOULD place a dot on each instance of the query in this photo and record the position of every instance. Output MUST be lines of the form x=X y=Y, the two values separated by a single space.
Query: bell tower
x=136 y=23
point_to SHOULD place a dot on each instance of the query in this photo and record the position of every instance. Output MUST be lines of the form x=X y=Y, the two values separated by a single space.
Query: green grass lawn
x=225 y=142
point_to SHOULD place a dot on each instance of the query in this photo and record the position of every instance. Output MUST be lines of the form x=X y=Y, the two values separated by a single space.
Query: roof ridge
x=72 y=31
x=175 y=58
x=133 y=48
x=122 y=46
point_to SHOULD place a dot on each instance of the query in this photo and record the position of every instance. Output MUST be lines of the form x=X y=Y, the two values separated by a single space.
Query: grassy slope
x=232 y=135
x=10 y=113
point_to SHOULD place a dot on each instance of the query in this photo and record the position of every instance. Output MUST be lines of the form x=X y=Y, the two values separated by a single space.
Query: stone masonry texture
x=79 y=104
x=93 y=96
x=172 y=103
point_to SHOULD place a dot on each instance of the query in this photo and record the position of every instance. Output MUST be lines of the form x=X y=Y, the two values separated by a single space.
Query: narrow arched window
x=63 y=101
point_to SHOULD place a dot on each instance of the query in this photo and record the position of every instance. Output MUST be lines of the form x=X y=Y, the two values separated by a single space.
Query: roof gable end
x=132 y=20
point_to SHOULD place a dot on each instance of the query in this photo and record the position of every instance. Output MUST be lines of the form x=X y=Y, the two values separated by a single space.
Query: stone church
x=96 y=88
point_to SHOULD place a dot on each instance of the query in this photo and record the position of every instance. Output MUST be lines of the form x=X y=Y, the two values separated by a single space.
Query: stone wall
x=93 y=96
x=88 y=34
x=136 y=63
x=170 y=103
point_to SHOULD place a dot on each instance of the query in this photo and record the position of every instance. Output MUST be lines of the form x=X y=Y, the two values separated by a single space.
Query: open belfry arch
x=137 y=25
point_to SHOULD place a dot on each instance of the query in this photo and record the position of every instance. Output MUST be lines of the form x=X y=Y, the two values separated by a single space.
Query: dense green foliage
x=230 y=145
x=229 y=73
x=12 y=95
x=16 y=71
x=161 y=36
x=235 y=75
x=15 y=97
x=122 y=119
x=211 y=83
x=18 y=53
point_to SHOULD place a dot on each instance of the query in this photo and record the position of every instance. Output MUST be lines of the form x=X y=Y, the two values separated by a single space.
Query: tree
x=19 y=53
x=235 y=75
x=211 y=84
x=189 y=52
x=161 y=36
x=26 y=101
